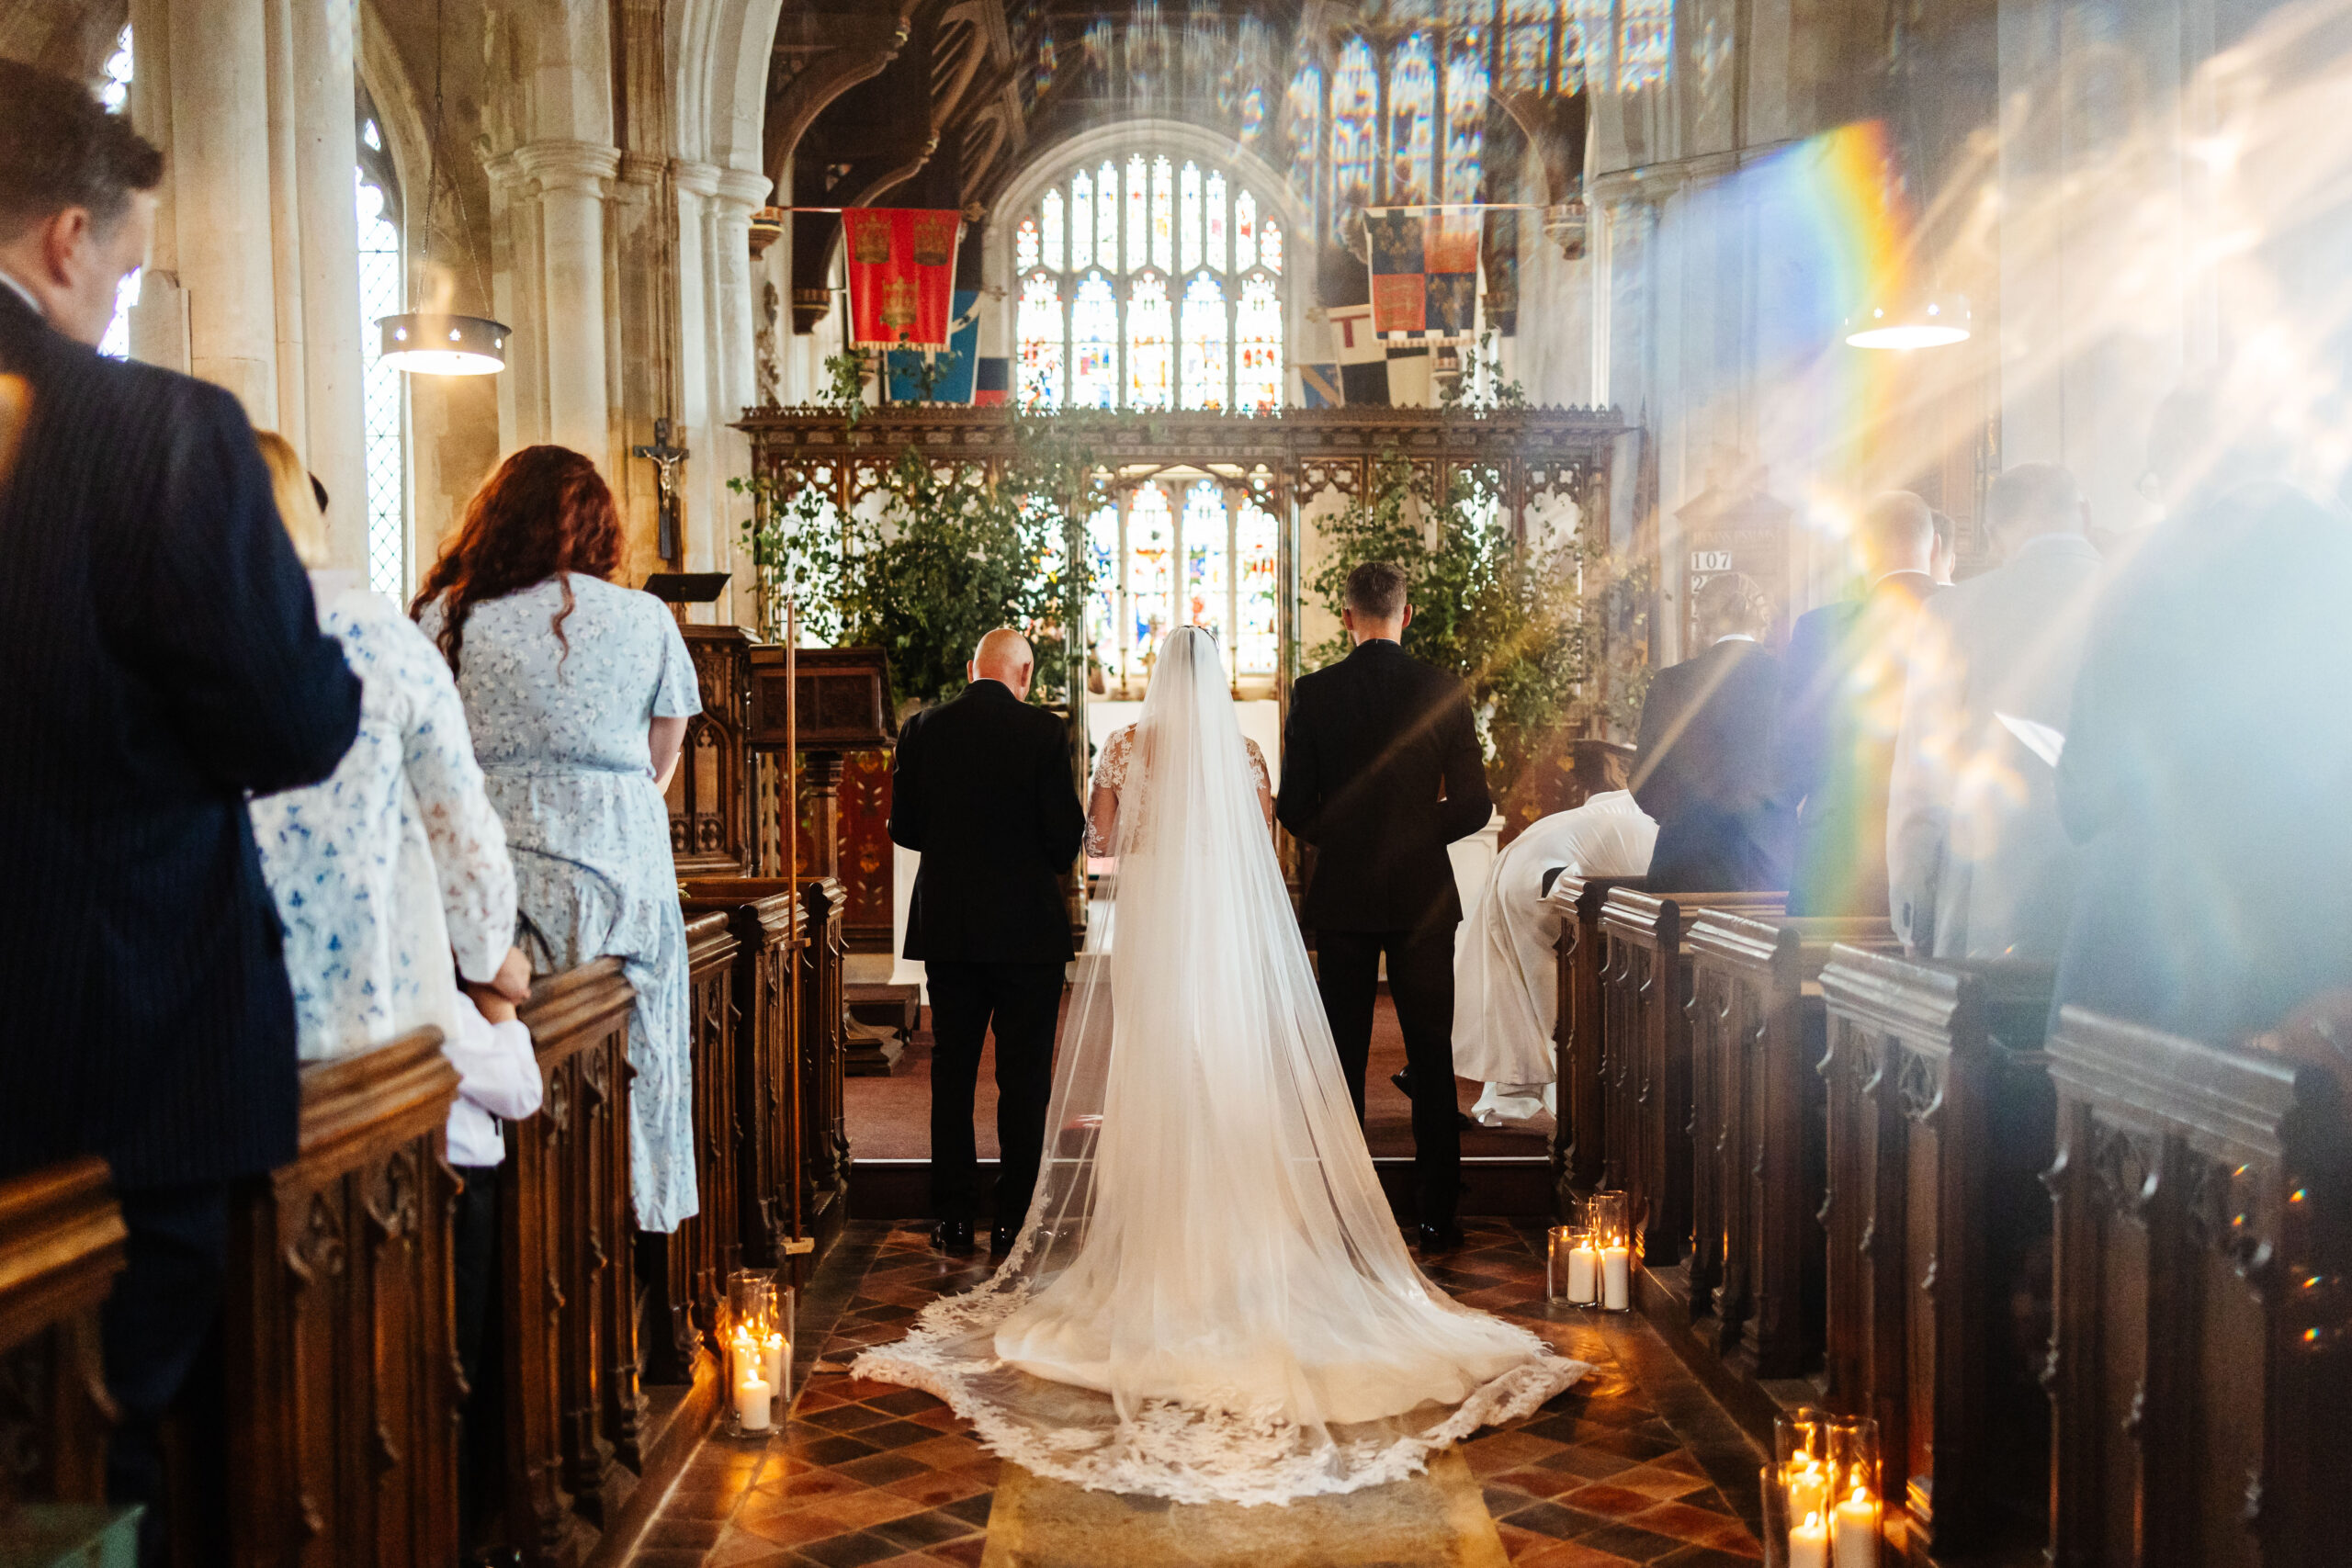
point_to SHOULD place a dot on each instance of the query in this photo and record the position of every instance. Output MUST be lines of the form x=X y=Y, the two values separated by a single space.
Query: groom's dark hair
x=1377 y=589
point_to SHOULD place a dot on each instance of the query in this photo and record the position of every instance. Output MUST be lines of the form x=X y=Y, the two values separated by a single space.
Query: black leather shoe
x=952 y=1236
x=1446 y=1237
x=1000 y=1241
x=1403 y=1079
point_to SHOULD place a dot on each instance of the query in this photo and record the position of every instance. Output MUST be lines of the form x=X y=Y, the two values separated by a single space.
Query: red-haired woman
x=578 y=692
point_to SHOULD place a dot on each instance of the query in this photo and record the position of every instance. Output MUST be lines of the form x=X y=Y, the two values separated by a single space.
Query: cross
x=665 y=459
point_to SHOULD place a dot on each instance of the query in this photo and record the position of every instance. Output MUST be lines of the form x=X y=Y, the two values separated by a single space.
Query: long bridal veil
x=1210 y=1298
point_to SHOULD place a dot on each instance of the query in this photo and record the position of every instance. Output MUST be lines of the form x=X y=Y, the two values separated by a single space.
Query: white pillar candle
x=774 y=1363
x=1809 y=1543
x=1808 y=1486
x=1583 y=1263
x=1855 y=1530
x=1617 y=1278
x=751 y=1397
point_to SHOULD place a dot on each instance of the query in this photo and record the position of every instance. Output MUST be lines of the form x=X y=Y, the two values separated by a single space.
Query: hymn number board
x=1728 y=531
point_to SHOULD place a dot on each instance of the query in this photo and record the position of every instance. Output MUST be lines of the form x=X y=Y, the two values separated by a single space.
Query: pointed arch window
x=383 y=394
x=1467 y=81
x=1356 y=104
x=1208 y=599
x=1412 y=116
x=1164 y=289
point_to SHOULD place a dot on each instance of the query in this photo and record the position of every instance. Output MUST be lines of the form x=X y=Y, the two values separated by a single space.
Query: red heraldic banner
x=901 y=276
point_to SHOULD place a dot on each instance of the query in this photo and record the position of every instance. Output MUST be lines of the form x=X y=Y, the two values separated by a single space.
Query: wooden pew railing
x=685 y=1272
x=1646 y=1064
x=825 y=1157
x=338 y=1328
x=1940 y=1125
x=60 y=1246
x=1760 y=1133
x=2201 y=1359
x=1579 y=1131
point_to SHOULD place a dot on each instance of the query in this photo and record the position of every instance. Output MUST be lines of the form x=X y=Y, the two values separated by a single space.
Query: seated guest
x=578 y=692
x=381 y=873
x=1702 y=766
x=1841 y=702
x=1977 y=864
x=163 y=659
x=1506 y=969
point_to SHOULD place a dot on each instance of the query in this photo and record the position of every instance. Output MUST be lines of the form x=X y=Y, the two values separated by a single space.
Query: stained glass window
x=116 y=96
x=1147 y=343
x=1103 y=606
x=1081 y=222
x=1258 y=326
x=1644 y=44
x=1207 y=594
x=1303 y=108
x=1040 y=334
x=1094 y=346
x=382 y=403
x=1214 y=221
x=1355 y=97
x=1412 y=120
x=1204 y=343
x=1116 y=328
x=1188 y=219
x=1151 y=577
x=1465 y=122
x=1256 y=541
x=1049 y=213
x=115 y=89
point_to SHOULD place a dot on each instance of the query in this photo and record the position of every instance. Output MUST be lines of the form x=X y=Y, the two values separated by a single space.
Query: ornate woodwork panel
x=338 y=1325
x=1940 y=1120
x=869 y=860
x=825 y=1153
x=1578 y=1145
x=689 y=1281
x=574 y=1404
x=2199 y=1345
x=712 y=830
x=60 y=1246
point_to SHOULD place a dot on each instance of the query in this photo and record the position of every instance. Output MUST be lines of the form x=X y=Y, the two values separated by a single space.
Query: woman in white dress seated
x=1210 y=1298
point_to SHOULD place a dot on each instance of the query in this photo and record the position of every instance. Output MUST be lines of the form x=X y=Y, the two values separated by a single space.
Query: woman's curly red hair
x=545 y=511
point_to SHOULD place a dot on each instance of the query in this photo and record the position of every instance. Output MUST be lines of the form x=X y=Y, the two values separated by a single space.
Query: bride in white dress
x=1210 y=1299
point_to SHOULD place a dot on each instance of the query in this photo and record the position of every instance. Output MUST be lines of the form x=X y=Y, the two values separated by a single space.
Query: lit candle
x=1617 y=1278
x=751 y=1396
x=775 y=1366
x=1584 y=1262
x=1809 y=1543
x=1856 y=1530
x=1808 y=1486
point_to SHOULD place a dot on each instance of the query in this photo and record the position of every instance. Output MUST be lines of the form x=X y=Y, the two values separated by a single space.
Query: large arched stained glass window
x=1150 y=282
x=1412 y=114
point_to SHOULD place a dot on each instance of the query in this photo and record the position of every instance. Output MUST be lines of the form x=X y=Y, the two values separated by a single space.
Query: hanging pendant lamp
x=1931 y=320
x=439 y=342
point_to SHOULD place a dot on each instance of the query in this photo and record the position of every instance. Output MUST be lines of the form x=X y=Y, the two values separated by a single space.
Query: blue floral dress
x=561 y=735
x=394 y=861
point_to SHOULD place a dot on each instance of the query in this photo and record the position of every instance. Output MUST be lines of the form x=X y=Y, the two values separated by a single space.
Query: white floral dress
x=394 y=861
x=561 y=734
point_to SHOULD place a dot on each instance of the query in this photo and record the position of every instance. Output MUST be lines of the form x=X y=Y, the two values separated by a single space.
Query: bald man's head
x=1004 y=655
x=1897 y=533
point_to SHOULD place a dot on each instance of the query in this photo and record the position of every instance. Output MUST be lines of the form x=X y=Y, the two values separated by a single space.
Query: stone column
x=733 y=314
x=325 y=153
x=552 y=289
x=218 y=137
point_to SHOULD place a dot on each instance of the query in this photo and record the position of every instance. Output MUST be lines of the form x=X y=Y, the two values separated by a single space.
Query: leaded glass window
x=383 y=400
x=1163 y=291
x=116 y=96
x=1184 y=548
x=1356 y=104
x=1412 y=116
x=1151 y=567
x=1207 y=602
x=1256 y=544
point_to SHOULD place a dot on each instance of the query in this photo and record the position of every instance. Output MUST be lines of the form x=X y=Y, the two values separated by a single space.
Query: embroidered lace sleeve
x=1258 y=774
x=1109 y=773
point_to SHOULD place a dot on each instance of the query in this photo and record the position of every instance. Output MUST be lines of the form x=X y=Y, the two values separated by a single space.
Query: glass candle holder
x=753 y=1376
x=1606 y=1219
x=1568 y=1266
x=1857 y=1508
x=1776 y=1515
x=1802 y=1476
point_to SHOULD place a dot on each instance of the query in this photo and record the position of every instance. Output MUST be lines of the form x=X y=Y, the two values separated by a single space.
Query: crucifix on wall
x=665 y=459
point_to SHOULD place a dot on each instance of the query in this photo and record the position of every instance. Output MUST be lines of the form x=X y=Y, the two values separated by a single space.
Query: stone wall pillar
x=333 y=364
x=552 y=197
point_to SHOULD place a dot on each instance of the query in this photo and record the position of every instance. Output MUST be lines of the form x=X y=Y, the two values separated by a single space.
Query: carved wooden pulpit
x=841 y=699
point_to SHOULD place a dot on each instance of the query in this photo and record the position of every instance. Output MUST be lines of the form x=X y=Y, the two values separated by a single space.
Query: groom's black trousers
x=1024 y=1001
x=1421 y=980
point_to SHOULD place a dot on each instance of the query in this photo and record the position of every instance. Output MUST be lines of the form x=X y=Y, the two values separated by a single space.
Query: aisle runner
x=1434 y=1520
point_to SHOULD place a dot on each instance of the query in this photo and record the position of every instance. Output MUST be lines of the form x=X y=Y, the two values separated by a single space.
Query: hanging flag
x=901 y=275
x=1424 y=272
x=951 y=375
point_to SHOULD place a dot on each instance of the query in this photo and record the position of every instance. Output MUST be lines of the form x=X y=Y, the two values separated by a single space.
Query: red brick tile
x=1699 y=1527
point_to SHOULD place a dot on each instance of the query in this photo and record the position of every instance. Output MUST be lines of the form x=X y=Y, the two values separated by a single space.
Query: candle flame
x=1813 y=1520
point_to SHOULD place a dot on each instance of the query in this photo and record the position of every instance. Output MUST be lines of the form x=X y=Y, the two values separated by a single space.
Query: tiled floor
x=1636 y=1464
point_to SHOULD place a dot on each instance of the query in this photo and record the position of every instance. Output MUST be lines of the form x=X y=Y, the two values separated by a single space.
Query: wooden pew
x=574 y=1412
x=60 y=1246
x=2199 y=1358
x=338 y=1329
x=1941 y=1123
x=824 y=1150
x=1645 y=1033
x=685 y=1272
x=1757 y=1031
x=1579 y=1131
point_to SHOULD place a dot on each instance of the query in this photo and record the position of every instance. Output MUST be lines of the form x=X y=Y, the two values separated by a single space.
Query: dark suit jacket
x=1841 y=707
x=1703 y=768
x=1381 y=771
x=981 y=789
x=162 y=657
x=2208 y=769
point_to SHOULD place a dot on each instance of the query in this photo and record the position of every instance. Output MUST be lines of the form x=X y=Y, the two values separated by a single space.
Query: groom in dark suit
x=981 y=789
x=1381 y=771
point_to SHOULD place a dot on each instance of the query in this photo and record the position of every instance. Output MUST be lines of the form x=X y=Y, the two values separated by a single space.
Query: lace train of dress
x=1210 y=1299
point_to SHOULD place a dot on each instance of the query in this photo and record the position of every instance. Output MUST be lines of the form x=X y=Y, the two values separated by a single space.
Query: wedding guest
x=164 y=658
x=385 y=872
x=578 y=692
x=1841 y=702
x=1977 y=864
x=981 y=787
x=1703 y=762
